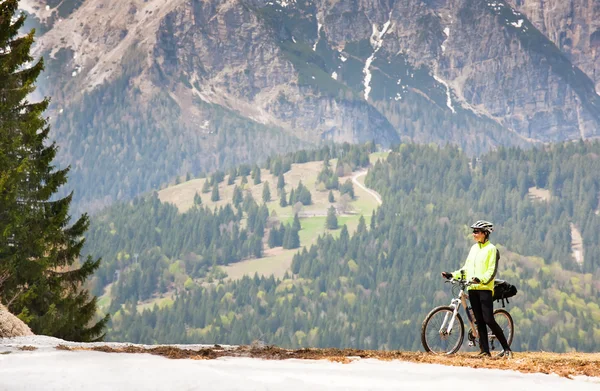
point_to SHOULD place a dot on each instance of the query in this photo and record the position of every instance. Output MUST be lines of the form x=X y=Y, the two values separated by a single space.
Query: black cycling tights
x=483 y=308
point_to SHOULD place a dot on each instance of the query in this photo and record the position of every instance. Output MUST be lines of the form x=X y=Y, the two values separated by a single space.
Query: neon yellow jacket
x=482 y=263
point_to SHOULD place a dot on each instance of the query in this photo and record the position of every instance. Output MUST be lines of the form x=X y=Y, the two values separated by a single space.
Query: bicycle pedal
x=471 y=343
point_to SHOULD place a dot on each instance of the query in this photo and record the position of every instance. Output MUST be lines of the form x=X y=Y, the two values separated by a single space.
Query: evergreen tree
x=276 y=167
x=40 y=281
x=280 y=181
x=347 y=188
x=256 y=175
x=197 y=199
x=291 y=239
x=274 y=240
x=331 y=222
x=302 y=195
x=244 y=181
x=215 y=193
x=282 y=198
x=206 y=186
x=362 y=226
x=296 y=224
x=331 y=199
x=238 y=197
x=266 y=195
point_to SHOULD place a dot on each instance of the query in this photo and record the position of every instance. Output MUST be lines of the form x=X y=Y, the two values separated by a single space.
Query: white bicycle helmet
x=483 y=225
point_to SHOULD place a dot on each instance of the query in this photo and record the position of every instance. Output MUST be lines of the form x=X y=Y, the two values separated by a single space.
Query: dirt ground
x=562 y=364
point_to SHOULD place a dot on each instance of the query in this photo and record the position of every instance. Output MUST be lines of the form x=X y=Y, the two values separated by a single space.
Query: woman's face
x=478 y=236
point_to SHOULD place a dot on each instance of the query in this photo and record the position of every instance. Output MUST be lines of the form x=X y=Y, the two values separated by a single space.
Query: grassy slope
x=276 y=261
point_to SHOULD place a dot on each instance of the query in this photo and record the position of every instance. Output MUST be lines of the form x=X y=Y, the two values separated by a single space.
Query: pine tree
x=280 y=181
x=40 y=281
x=266 y=195
x=238 y=197
x=230 y=180
x=291 y=239
x=331 y=199
x=274 y=240
x=331 y=222
x=197 y=199
x=215 y=193
x=206 y=186
x=296 y=224
x=294 y=239
x=372 y=223
x=283 y=198
x=347 y=188
x=256 y=175
x=362 y=226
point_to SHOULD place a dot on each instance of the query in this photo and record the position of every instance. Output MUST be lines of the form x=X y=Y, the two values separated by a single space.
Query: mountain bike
x=443 y=329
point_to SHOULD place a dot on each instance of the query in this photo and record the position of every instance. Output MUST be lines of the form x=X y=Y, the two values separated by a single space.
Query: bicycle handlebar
x=459 y=281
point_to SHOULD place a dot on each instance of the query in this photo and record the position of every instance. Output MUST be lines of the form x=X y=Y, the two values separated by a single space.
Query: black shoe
x=505 y=354
x=484 y=354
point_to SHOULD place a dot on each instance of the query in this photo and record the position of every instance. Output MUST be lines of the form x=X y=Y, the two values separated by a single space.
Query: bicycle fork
x=447 y=324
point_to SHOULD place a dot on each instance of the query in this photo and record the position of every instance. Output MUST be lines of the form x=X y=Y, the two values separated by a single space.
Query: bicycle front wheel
x=505 y=321
x=436 y=336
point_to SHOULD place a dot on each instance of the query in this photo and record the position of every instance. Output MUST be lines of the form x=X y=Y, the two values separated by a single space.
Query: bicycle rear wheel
x=505 y=321
x=434 y=331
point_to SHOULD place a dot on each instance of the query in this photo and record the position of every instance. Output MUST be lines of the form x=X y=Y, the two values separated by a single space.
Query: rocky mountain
x=145 y=91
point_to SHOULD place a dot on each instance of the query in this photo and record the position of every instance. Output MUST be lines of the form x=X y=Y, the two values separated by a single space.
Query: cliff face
x=573 y=26
x=217 y=79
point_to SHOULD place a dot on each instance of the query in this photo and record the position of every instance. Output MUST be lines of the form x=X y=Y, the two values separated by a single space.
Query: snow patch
x=448 y=96
x=283 y=3
x=368 y=75
x=334 y=76
x=376 y=42
x=518 y=23
x=495 y=6
x=447 y=31
x=293 y=39
x=342 y=58
x=48 y=368
x=319 y=25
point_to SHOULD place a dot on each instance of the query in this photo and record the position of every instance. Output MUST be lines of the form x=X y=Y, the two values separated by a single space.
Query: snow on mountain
x=47 y=368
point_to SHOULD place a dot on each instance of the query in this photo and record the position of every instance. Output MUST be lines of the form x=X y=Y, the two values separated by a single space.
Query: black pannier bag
x=503 y=290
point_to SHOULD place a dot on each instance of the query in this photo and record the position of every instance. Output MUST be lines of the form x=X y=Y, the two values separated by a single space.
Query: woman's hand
x=475 y=280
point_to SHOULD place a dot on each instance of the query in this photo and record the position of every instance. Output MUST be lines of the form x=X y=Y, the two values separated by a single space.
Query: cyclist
x=480 y=268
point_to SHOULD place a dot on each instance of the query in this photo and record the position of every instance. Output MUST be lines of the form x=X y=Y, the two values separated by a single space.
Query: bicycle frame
x=455 y=305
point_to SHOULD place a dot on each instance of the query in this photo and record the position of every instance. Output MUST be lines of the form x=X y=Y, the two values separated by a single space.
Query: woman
x=480 y=268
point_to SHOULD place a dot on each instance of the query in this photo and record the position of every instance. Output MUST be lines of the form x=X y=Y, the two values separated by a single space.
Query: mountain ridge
x=475 y=74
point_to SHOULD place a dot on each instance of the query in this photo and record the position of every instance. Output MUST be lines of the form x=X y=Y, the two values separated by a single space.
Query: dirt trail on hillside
x=563 y=364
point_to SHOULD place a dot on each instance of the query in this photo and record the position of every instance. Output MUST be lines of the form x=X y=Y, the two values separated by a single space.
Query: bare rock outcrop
x=11 y=326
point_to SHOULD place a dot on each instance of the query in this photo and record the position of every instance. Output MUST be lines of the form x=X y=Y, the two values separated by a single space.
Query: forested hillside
x=373 y=289
x=152 y=247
